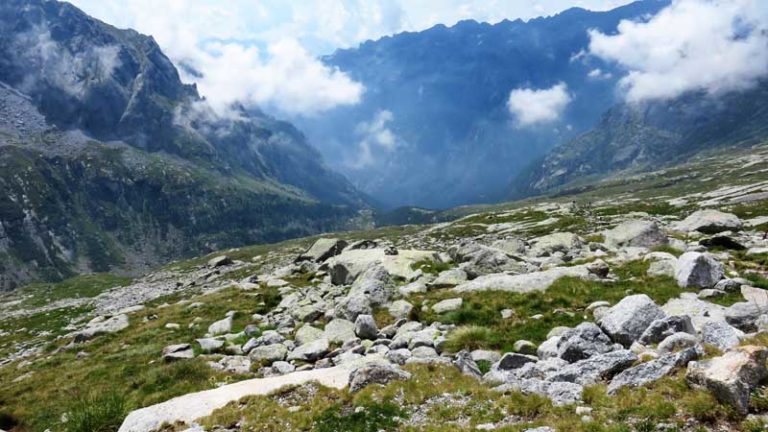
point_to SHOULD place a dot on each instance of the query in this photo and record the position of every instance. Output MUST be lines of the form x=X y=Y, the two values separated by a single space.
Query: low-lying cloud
x=714 y=46
x=531 y=107
x=285 y=77
x=375 y=136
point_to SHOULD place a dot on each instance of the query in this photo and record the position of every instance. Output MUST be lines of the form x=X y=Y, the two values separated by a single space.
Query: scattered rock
x=660 y=329
x=699 y=270
x=268 y=354
x=339 y=331
x=311 y=351
x=583 y=341
x=375 y=374
x=365 y=327
x=102 y=325
x=173 y=353
x=219 y=261
x=653 y=370
x=323 y=249
x=447 y=305
x=709 y=222
x=721 y=335
x=627 y=320
x=221 y=327
x=635 y=233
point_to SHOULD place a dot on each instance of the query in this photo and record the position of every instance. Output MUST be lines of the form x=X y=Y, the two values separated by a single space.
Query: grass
x=563 y=304
x=97 y=413
x=83 y=286
x=127 y=363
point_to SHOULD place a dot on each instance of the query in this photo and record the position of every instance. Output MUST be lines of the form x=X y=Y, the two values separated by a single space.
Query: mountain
x=109 y=162
x=433 y=128
x=646 y=136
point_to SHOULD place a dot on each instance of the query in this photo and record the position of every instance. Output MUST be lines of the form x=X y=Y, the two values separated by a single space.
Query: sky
x=266 y=52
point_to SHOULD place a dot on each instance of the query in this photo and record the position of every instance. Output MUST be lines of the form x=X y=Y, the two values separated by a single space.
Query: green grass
x=563 y=304
x=97 y=413
x=83 y=286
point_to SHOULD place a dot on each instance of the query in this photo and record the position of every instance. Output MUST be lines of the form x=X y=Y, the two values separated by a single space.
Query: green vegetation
x=83 y=286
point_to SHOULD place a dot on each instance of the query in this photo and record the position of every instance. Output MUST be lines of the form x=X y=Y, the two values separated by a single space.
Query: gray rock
x=560 y=393
x=283 y=367
x=660 y=329
x=627 y=320
x=400 y=309
x=365 y=327
x=698 y=270
x=323 y=249
x=173 y=353
x=102 y=325
x=221 y=327
x=480 y=260
x=635 y=233
x=721 y=335
x=310 y=352
x=743 y=315
x=583 y=341
x=353 y=305
x=268 y=354
x=525 y=347
x=450 y=278
x=375 y=374
x=677 y=342
x=728 y=285
x=564 y=242
x=596 y=368
x=662 y=268
x=208 y=345
x=485 y=355
x=399 y=356
x=548 y=349
x=236 y=364
x=307 y=334
x=219 y=261
x=762 y=323
x=732 y=376
x=448 y=305
x=339 y=331
x=709 y=222
x=651 y=371
x=373 y=283
x=464 y=362
x=511 y=361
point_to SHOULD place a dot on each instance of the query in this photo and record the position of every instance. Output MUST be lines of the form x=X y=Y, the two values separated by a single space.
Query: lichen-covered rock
x=375 y=374
x=635 y=233
x=268 y=354
x=660 y=329
x=698 y=270
x=583 y=341
x=653 y=370
x=721 y=335
x=221 y=327
x=365 y=327
x=339 y=331
x=732 y=376
x=102 y=325
x=311 y=351
x=628 y=319
x=596 y=368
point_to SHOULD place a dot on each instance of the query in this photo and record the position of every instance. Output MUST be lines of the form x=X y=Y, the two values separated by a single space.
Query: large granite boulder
x=628 y=319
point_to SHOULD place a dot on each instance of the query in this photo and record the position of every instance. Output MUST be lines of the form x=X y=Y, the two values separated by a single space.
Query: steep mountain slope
x=649 y=135
x=433 y=128
x=108 y=161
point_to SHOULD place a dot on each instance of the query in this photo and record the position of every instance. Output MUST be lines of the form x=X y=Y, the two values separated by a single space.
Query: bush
x=103 y=413
x=468 y=337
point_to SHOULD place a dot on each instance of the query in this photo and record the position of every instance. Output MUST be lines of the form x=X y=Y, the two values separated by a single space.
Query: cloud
x=715 y=46
x=287 y=78
x=375 y=136
x=531 y=107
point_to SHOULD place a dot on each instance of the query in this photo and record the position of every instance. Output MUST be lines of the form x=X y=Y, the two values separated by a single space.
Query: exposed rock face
x=524 y=283
x=375 y=374
x=709 y=222
x=635 y=233
x=582 y=342
x=732 y=376
x=694 y=269
x=323 y=249
x=627 y=320
x=466 y=364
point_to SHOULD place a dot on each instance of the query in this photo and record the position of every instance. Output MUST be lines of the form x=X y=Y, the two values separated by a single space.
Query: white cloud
x=693 y=45
x=375 y=136
x=599 y=74
x=289 y=79
x=531 y=106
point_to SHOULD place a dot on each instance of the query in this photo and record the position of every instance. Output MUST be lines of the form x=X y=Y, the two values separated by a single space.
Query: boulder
x=339 y=331
x=219 y=261
x=268 y=354
x=583 y=341
x=208 y=345
x=311 y=351
x=651 y=371
x=709 y=222
x=627 y=320
x=450 y=278
x=698 y=270
x=307 y=334
x=173 y=353
x=351 y=306
x=525 y=283
x=373 y=283
x=564 y=242
x=662 y=268
x=676 y=342
x=400 y=309
x=221 y=327
x=399 y=356
x=102 y=325
x=524 y=347
x=732 y=376
x=596 y=368
x=512 y=361
x=744 y=315
x=660 y=329
x=375 y=374
x=348 y=265
x=478 y=259
x=721 y=335
x=464 y=362
x=365 y=327
x=323 y=249
x=447 y=305
x=635 y=233
x=559 y=392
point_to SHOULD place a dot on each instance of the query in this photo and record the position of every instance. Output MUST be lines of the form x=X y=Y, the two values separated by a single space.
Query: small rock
x=447 y=305
x=375 y=374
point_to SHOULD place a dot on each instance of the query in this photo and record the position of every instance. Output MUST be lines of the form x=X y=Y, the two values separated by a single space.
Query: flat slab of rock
x=524 y=283
x=709 y=222
x=193 y=406
x=100 y=325
x=348 y=265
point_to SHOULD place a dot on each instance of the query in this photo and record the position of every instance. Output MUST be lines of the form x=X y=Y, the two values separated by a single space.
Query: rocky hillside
x=442 y=95
x=109 y=162
x=646 y=136
x=636 y=304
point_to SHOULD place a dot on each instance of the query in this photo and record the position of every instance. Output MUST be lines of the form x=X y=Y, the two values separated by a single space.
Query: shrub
x=468 y=337
x=366 y=418
x=102 y=413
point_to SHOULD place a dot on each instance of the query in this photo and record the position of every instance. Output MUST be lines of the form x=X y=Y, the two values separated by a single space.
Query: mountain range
x=108 y=162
